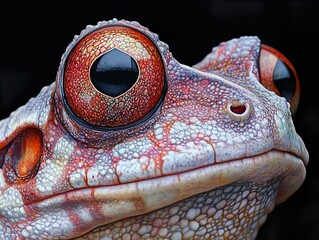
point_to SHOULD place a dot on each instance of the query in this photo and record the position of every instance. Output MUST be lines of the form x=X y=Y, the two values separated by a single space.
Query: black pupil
x=284 y=80
x=114 y=73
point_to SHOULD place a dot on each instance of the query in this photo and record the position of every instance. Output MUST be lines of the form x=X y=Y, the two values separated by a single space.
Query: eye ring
x=279 y=75
x=145 y=82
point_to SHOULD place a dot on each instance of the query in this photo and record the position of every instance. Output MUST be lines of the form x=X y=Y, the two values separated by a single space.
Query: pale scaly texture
x=229 y=212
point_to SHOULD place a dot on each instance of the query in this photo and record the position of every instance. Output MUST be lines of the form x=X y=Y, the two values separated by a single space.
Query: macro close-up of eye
x=278 y=75
x=114 y=77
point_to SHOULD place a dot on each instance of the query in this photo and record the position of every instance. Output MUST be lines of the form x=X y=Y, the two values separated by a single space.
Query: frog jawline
x=113 y=203
x=261 y=168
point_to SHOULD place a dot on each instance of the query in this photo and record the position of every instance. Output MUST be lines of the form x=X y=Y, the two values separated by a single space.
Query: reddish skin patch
x=267 y=63
x=75 y=219
x=98 y=109
x=159 y=144
x=204 y=83
x=94 y=209
x=185 y=89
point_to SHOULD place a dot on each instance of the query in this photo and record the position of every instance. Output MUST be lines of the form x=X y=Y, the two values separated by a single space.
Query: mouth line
x=90 y=193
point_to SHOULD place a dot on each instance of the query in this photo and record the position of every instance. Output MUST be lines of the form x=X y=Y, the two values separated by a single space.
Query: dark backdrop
x=33 y=36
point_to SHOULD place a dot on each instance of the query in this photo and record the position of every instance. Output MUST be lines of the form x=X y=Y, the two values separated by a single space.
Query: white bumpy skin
x=211 y=159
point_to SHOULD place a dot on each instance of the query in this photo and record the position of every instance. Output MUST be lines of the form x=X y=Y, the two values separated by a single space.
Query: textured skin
x=211 y=163
x=92 y=107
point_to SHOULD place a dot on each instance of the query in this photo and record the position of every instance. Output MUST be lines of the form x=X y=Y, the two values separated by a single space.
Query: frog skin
x=166 y=151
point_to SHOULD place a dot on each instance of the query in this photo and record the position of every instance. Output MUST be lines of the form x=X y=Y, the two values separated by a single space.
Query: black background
x=33 y=36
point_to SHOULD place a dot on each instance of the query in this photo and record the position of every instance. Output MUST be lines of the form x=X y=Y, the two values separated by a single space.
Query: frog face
x=131 y=142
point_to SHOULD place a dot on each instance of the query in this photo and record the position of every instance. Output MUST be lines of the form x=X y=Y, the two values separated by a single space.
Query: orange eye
x=114 y=77
x=278 y=75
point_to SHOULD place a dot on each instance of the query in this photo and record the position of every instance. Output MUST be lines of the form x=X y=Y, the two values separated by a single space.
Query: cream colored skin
x=195 y=170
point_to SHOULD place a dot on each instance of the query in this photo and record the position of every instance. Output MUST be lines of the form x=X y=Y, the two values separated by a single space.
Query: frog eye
x=113 y=77
x=278 y=74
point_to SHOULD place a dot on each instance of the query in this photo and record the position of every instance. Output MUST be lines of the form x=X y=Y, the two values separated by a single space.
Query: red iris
x=113 y=77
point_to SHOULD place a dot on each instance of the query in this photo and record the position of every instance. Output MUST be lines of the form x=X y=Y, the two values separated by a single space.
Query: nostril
x=240 y=109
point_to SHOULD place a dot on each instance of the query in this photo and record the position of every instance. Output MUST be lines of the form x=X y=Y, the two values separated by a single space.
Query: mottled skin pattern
x=210 y=163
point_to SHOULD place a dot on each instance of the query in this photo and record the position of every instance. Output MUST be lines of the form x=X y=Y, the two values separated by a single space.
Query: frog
x=128 y=143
